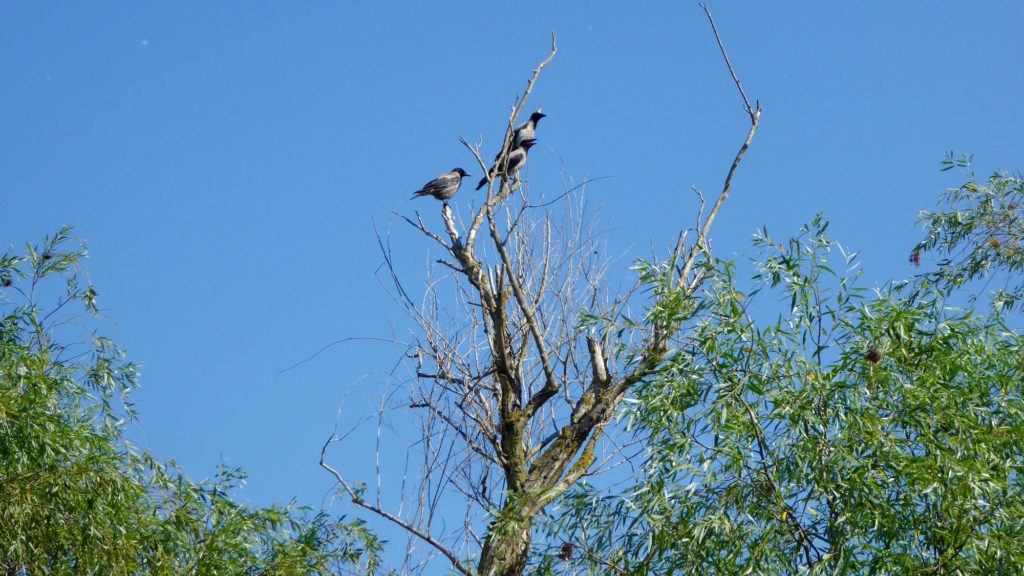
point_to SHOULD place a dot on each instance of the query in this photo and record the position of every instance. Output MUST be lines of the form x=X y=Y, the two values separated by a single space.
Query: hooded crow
x=526 y=130
x=444 y=186
x=515 y=161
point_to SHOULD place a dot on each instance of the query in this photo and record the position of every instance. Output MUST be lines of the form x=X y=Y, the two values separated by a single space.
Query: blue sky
x=226 y=163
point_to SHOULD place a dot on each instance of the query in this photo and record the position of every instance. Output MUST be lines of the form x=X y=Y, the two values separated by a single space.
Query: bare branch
x=358 y=500
x=597 y=361
x=462 y=433
x=551 y=382
x=419 y=225
x=325 y=347
x=702 y=235
x=505 y=189
x=729 y=64
x=755 y=118
x=449 y=224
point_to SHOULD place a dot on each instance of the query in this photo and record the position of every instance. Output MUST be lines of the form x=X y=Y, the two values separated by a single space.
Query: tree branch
x=755 y=118
x=504 y=189
x=728 y=63
x=462 y=433
x=550 y=381
x=358 y=500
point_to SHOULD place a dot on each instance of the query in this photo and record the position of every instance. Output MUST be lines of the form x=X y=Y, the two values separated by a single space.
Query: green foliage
x=76 y=498
x=856 y=433
x=978 y=235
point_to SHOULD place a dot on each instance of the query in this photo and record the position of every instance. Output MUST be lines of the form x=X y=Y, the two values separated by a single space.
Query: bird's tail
x=482 y=182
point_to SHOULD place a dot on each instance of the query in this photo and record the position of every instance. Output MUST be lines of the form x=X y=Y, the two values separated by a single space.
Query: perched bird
x=444 y=186
x=526 y=130
x=515 y=161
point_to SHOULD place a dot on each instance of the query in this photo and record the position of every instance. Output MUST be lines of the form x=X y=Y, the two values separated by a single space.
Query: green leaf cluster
x=77 y=498
x=855 y=433
x=978 y=235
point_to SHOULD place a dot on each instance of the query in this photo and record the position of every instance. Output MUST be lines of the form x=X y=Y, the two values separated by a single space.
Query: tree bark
x=505 y=554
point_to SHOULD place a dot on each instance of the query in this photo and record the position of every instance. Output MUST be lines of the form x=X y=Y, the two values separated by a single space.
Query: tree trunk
x=505 y=554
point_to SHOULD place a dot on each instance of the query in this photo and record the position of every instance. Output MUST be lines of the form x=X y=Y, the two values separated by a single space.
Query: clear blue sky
x=225 y=162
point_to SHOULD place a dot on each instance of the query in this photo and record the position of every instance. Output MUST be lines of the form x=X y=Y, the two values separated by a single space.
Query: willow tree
x=855 y=433
x=77 y=498
x=976 y=234
x=521 y=360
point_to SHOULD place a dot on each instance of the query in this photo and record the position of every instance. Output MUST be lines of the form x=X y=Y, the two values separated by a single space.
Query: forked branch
x=505 y=189
x=601 y=398
x=755 y=118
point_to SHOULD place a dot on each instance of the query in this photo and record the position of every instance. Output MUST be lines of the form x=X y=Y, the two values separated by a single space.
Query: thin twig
x=728 y=63
x=505 y=148
x=755 y=118
x=567 y=192
x=333 y=344
x=419 y=225
x=550 y=381
x=358 y=500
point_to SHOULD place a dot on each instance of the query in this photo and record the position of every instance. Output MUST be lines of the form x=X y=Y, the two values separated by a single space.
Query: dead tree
x=515 y=373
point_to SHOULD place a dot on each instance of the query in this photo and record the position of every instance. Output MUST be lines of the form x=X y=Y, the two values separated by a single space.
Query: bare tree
x=515 y=370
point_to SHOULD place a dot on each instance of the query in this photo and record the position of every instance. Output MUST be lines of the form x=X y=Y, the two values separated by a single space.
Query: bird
x=515 y=160
x=444 y=186
x=526 y=130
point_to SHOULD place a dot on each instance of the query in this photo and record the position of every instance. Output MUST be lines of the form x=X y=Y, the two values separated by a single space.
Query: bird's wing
x=516 y=158
x=431 y=187
x=442 y=182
